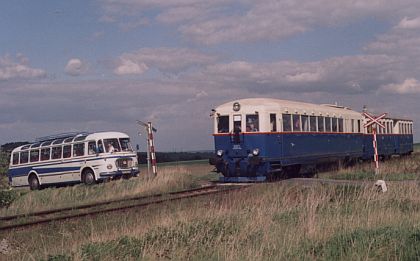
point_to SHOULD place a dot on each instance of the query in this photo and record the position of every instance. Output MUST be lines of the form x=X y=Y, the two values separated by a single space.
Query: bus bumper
x=134 y=172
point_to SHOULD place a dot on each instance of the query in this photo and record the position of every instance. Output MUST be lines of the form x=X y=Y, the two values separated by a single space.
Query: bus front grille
x=124 y=163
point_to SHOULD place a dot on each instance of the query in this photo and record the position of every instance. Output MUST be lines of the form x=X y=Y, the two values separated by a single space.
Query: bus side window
x=100 y=147
x=15 y=159
x=66 y=151
x=34 y=155
x=91 y=147
x=78 y=149
x=56 y=152
x=45 y=153
x=24 y=157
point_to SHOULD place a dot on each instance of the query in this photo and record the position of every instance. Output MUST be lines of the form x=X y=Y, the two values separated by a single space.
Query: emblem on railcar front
x=236 y=106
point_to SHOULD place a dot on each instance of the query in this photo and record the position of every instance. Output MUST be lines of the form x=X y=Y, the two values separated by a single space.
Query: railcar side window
x=67 y=151
x=328 y=124
x=252 y=124
x=34 y=155
x=340 y=125
x=223 y=124
x=45 y=154
x=287 y=123
x=56 y=152
x=273 y=123
x=296 y=122
x=15 y=158
x=305 y=123
x=78 y=149
x=320 y=123
x=334 y=124
x=312 y=121
x=24 y=157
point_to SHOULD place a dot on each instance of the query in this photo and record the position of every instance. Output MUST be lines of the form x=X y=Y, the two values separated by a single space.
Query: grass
x=395 y=169
x=169 y=178
x=276 y=221
x=265 y=222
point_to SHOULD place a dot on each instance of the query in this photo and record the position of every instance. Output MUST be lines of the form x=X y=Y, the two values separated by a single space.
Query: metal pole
x=375 y=147
x=151 y=156
x=152 y=148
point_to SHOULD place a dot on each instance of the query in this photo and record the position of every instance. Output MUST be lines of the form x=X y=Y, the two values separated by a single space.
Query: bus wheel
x=34 y=182
x=88 y=177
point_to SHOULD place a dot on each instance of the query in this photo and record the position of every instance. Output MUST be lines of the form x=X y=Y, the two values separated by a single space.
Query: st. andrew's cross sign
x=374 y=122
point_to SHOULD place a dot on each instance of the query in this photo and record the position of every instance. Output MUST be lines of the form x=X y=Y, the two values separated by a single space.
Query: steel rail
x=174 y=196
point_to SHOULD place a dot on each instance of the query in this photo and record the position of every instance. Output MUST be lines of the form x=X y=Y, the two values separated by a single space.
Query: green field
x=271 y=221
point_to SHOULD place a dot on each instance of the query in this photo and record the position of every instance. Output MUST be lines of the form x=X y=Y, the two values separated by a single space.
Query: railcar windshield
x=223 y=124
x=125 y=144
x=252 y=124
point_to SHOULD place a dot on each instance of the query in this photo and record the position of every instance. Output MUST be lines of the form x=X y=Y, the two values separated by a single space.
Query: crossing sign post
x=374 y=122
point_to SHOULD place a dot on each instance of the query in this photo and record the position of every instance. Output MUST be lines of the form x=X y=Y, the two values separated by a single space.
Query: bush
x=7 y=197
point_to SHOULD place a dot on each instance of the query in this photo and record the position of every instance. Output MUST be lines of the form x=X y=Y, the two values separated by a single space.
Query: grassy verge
x=170 y=178
x=395 y=169
x=266 y=222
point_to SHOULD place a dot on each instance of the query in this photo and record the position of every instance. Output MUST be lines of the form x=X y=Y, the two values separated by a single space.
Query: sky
x=101 y=65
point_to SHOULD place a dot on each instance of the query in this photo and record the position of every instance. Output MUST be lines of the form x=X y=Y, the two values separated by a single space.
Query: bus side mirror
x=137 y=147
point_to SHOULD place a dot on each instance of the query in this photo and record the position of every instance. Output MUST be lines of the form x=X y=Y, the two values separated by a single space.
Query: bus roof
x=70 y=137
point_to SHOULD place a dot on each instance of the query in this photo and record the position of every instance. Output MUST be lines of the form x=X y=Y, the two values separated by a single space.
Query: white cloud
x=218 y=21
x=167 y=60
x=407 y=23
x=12 y=69
x=347 y=74
x=76 y=67
x=408 y=86
x=127 y=66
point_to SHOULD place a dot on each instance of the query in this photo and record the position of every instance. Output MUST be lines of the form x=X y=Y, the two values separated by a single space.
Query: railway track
x=40 y=217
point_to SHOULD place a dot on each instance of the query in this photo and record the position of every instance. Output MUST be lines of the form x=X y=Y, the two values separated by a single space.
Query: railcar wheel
x=88 y=177
x=34 y=183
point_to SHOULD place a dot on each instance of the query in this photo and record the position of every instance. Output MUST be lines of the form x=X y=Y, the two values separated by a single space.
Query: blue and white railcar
x=73 y=158
x=259 y=138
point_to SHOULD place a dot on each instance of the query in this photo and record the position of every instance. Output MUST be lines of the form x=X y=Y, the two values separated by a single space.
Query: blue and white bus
x=72 y=158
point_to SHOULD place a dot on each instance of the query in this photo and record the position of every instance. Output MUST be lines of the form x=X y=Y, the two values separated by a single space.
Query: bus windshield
x=112 y=145
x=125 y=144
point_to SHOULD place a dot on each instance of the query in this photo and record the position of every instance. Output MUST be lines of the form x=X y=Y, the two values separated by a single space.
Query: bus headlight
x=219 y=153
x=256 y=152
x=109 y=166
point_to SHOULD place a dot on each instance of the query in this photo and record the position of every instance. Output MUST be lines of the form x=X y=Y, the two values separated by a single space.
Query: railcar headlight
x=219 y=153
x=109 y=166
x=256 y=152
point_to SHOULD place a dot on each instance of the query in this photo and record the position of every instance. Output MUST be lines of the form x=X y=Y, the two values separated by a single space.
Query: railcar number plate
x=237 y=147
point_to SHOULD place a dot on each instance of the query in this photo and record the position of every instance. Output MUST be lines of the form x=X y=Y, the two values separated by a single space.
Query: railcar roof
x=89 y=136
x=270 y=104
